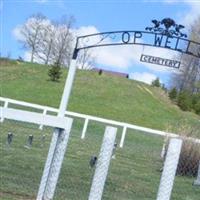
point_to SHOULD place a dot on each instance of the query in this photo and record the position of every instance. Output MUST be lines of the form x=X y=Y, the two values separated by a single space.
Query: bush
x=189 y=159
x=55 y=72
x=156 y=83
x=184 y=100
x=173 y=94
x=190 y=152
x=196 y=103
x=197 y=108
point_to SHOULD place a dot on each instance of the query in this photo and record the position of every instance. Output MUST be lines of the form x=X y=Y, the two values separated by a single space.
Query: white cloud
x=17 y=33
x=187 y=18
x=194 y=13
x=143 y=77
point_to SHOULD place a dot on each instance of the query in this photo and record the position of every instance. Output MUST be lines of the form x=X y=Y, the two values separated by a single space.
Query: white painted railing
x=125 y=126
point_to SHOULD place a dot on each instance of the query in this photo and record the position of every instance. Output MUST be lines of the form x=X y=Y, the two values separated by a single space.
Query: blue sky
x=104 y=15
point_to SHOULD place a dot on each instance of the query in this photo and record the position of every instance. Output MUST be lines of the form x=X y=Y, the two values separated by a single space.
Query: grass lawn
x=104 y=96
x=133 y=174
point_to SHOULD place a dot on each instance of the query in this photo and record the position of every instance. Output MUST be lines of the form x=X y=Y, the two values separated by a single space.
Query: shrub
x=196 y=103
x=189 y=159
x=55 y=72
x=190 y=152
x=184 y=100
x=197 y=108
x=173 y=94
x=156 y=83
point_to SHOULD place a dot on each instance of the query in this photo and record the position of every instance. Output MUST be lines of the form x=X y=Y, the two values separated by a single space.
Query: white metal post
x=67 y=88
x=169 y=170
x=84 y=128
x=197 y=182
x=58 y=144
x=162 y=154
x=57 y=162
x=103 y=163
x=5 y=106
x=123 y=137
x=44 y=113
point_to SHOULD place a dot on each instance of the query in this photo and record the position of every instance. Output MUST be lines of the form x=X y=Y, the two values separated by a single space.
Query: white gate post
x=84 y=128
x=103 y=163
x=44 y=113
x=123 y=137
x=197 y=182
x=169 y=170
x=5 y=106
x=58 y=144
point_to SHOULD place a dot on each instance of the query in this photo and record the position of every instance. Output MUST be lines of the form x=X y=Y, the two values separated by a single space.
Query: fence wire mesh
x=78 y=169
x=23 y=151
x=187 y=180
x=134 y=172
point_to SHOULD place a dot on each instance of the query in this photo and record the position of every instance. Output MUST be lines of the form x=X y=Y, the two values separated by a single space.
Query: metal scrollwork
x=168 y=27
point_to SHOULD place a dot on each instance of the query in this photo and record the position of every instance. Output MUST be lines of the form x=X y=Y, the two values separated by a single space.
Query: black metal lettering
x=158 y=40
x=137 y=35
x=146 y=58
x=125 y=37
x=167 y=42
x=176 y=46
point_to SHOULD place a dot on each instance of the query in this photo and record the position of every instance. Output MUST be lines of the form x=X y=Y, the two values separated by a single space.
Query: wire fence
x=135 y=170
x=23 y=151
x=187 y=181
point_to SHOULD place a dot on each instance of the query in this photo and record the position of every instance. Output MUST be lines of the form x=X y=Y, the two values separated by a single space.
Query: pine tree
x=173 y=94
x=55 y=72
x=156 y=83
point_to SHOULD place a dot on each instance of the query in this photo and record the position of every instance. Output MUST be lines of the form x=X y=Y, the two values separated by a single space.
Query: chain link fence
x=134 y=173
x=187 y=180
x=23 y=151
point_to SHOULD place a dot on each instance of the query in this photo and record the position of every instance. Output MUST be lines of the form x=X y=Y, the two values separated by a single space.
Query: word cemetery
x=160 y=61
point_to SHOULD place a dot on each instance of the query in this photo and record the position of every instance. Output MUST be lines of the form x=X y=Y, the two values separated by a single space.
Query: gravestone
x=9 y=138
x=29 y=142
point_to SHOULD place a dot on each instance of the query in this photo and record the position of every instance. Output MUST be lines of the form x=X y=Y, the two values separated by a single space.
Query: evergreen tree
x=55 y=72
x=156 y=83
x=184 y=100
x=173 y=94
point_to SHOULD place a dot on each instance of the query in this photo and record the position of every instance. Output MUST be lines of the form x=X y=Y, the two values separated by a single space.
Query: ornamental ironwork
x=164 y=34
x=168 y=27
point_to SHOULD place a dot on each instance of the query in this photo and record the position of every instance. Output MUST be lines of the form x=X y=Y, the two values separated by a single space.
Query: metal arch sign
x=169 y=36
x=160 y=61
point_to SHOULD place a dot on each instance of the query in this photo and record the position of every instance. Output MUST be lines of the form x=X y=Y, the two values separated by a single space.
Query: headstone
x=29 y=142
x=9 y=138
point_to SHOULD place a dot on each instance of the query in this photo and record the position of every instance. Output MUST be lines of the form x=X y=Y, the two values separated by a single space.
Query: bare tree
x=189 y=76
x=31 y=32
x=46 y=44
x=62 y=43
x=86 y=59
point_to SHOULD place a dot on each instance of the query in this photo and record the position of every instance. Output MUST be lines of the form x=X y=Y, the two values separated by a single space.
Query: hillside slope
x=104 y=96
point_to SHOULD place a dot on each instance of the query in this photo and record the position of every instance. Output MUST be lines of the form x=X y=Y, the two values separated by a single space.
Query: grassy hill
x=133 y=174
x=104 y=96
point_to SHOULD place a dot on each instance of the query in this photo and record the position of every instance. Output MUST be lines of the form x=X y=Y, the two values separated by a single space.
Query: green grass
x=134 y=174
x=104 y=96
